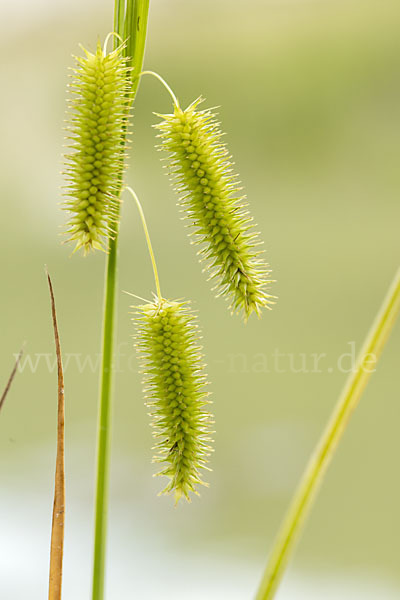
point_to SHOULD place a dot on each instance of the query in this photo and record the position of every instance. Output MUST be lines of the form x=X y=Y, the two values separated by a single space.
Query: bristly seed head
x=174 y=386
x=97 y=129
x=210 y=197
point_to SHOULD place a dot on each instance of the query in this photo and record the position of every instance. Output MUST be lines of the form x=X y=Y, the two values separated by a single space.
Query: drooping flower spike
x=174 y=379
x=97 y=129
x=211 y=199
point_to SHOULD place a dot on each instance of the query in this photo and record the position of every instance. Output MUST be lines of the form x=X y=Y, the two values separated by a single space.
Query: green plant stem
x=104 y=425
x=136 y=13
x=136 y=37
x=314 y=473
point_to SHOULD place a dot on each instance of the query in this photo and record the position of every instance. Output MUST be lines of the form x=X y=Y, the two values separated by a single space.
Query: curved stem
x=109 y=36
x=165 y=84
x=314 y=473
x=133 y=21
x=148 y=240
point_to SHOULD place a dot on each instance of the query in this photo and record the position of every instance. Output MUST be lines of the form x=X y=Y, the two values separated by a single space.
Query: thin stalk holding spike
x=314 y=473
x=135 y=29
x=148 y=240
x=164 y=83
x=108 y=38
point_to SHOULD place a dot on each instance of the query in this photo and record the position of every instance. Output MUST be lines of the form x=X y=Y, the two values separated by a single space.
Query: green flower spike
x=174 y=380
x=98 y=122
x=211 y=200
x=174 y=387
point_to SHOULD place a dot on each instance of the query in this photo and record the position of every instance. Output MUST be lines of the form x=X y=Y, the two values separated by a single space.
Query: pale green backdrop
x=309 y=94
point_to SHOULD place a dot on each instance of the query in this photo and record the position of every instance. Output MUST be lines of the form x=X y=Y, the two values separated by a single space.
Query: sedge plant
x=210 y=196
x=103 y=90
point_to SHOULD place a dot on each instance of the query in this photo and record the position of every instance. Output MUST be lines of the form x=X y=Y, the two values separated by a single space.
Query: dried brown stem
x=10 y=380
x=57 y=531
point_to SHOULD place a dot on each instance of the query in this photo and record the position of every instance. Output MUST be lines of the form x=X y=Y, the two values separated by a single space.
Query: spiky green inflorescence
x=210 y=197
x=97 y=128
x=174 y=385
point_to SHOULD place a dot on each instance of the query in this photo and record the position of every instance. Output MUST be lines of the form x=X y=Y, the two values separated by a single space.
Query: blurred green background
x=309 y=94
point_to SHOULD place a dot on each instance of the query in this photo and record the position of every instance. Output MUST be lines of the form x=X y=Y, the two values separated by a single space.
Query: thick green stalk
x=314 y=473
x=136 y=38
x=131 y=23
